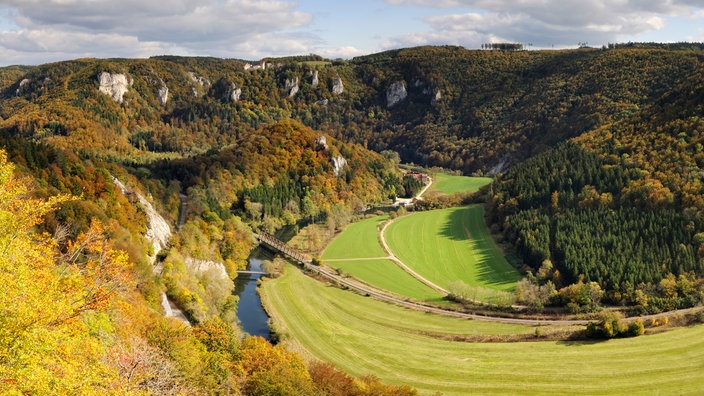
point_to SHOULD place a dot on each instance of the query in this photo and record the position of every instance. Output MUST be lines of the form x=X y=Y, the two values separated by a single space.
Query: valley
x=585 y=204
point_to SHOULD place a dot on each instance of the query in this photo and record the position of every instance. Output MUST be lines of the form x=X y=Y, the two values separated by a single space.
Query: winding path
x=403 y=265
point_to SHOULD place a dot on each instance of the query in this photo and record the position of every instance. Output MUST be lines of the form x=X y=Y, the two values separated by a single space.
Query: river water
x=250 y=313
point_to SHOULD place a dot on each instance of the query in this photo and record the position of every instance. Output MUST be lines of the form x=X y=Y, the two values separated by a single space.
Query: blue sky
x=40 y=31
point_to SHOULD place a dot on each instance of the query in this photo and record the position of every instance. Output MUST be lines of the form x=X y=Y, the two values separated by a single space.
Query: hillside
x=620 y=205
x=219 y=130
x=448 y=106
x=596 y=152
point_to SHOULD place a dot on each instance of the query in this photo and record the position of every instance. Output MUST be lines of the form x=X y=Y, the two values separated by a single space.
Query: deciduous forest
x=596 y=154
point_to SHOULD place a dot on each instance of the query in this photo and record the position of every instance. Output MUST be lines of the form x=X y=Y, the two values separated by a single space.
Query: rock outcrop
x=201 y=267
x=436 y=98
x=337 y=87
x=199 y=82
x=321 y=143
x=339 y=163
x=24 y=82
x=291 y=86
x=158 y=230
x=322 y=102
x=163 y=94
x=314 y=80
x=226 y=91
x=114 y=85
x=396 y=93
x=233 y=93
x=158 y=233
x=202 y=81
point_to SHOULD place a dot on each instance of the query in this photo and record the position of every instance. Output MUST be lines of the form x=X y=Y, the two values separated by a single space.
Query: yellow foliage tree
x=44 y=346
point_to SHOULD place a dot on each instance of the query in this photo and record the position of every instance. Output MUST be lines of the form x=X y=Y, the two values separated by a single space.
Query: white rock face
x=163 y=95
x=198 y=81
x=436 y=98
x=202 y=81
x=292 y=86
x=158 y=230
x=114 y=85
x=500 y=167
x=337 y=87
x=158 y=233
x=201 y=267
x=322 y=102
x=339 y=162
x=321 y=143
x=24 y=82
x=396 y=93
x=233 y=93
x=314 y=80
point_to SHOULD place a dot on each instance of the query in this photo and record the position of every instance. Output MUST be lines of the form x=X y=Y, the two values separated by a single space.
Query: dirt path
x=392 y=256
x=427 y=186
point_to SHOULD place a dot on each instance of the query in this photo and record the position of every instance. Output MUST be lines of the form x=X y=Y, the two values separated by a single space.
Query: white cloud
x=542 y=22
x=345 y=52
x=108 y=28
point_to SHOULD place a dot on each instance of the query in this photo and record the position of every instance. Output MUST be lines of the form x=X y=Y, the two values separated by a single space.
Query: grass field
x=386 y=275
x=450 y=184
x=363 y=336
x=360 y=241
x=451 y=244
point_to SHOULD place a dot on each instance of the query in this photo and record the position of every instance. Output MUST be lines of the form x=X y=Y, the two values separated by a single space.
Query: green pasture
x=352 y=250
x=387 y=275
x=358 y=240
x=363 y=336
x=451 y=244
x=450 y=184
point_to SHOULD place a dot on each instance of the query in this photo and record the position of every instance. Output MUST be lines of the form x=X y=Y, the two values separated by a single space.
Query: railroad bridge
x=281 y=247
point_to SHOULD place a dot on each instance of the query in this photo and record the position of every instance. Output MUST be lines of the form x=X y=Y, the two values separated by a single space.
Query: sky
x=40 y=31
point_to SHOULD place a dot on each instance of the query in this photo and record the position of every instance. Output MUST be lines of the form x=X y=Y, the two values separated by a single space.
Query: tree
x=44 y=347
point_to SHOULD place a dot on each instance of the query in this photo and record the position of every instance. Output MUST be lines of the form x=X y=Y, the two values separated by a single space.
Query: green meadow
x=363 y=336
x=357 y=252
x=387 y=275
x=358 y=240
x=450 y=184
x=451 y=244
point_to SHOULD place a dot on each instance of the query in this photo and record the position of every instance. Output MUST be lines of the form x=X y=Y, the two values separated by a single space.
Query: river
x=250 y=313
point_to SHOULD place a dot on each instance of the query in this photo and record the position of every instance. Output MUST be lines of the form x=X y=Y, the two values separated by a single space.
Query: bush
x=612 y=325
x=636 y=328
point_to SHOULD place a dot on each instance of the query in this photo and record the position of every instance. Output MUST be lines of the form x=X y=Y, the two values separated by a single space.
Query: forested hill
x=621 y=205
x=464 y=109
x=599 y=154
x=241 y=139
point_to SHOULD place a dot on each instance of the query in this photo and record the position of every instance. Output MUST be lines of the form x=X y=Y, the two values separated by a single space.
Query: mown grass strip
x=362 y=336
x=358 y=240
x=451 y=244
x=450 y=184
x=386 y=275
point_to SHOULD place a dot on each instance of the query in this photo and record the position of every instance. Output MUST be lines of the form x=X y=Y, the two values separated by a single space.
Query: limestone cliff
x=291 y=86
x=114 y=85
x=396 y=93
x=337 y=87
x=339 y=163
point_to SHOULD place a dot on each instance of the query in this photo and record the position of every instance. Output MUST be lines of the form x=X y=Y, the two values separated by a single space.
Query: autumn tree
x=45 y=346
